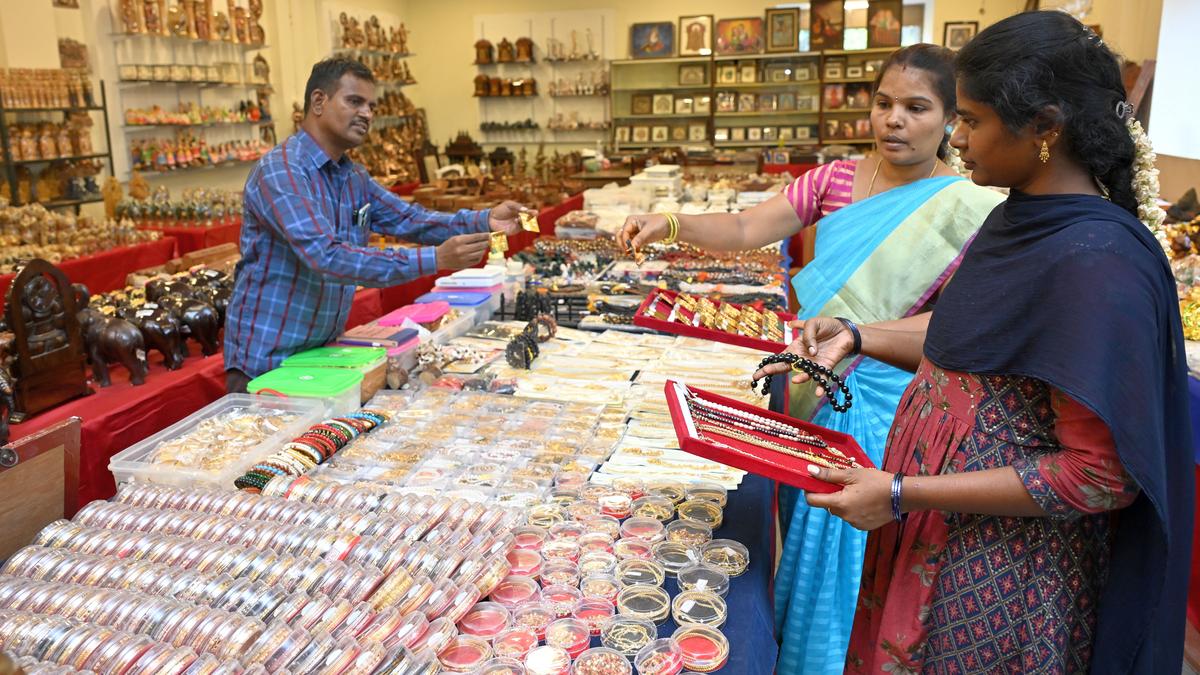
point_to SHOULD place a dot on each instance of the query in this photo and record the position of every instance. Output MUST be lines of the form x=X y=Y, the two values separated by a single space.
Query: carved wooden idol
x=484 y=53
x=49 y=363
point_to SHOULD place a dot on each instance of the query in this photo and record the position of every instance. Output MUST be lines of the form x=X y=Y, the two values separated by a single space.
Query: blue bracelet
x=857 y=349
x=896 y=488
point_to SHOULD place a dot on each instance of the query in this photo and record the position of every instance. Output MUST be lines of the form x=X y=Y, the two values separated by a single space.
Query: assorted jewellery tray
x=765 y=330
x=744 y=446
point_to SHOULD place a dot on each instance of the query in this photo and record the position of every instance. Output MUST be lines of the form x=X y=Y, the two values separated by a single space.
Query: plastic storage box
x=483 y=304
x=131 y=464
x=339 y=388
x=370 y=361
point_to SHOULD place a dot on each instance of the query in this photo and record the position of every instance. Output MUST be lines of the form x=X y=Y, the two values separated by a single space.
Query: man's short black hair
x=327 y=73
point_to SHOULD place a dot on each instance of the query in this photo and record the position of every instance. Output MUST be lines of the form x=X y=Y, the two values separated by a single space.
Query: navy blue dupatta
x=1074 y=291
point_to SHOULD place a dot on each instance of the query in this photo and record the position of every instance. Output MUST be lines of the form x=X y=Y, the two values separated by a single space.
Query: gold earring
x=1044 y=155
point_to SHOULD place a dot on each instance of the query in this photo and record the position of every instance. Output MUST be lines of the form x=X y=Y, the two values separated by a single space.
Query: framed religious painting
x=703 y=105
x=641 y=104
x=641 y=134
x=660 y=134
x=693 y=75
x=727 y=73
x=956 y=34
x=786 y=133
x=679 y=133
x=654 y=40
x=721 y=134
x=783 y=29
x=684 y=105
x=827 y=24
x=739 y=36
x=883 y=23
x=622 y=135
x=697 y=132
x=664 y=104
x=695 y=35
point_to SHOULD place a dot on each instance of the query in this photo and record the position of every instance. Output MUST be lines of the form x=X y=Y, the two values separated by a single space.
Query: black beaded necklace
x=819 y=374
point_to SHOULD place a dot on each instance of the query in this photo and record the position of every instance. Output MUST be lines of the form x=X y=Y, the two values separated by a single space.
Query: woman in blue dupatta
x=890 y=231
x=1034 y=511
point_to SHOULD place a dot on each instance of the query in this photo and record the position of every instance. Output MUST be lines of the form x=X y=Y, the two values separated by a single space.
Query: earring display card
x=762 y=442
x=725 y=322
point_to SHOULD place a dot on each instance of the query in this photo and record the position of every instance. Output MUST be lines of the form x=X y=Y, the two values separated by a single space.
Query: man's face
x=347 y=114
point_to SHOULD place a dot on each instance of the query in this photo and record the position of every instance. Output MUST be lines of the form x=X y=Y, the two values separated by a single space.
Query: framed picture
x=740 y=36
x=737 y=134
x=747 y=103
x=683 y=105
x=803 y=133
x=827 y=24
x=854 y=72
x=767 y=103
x=847 y=129
x=641 y=134
x=641 y=104
x=659 y=134
x=832 y=129
x=747 y=72
x=783 y=29
x=653 y=40
x=770 y=133
x=754 y=134
x=727 y=73
x=622 y=134
x=835 y=69
x=786 y=102
x=862 y=128
x=726 y=101
x=956 y=34
x=720 y=134
x=692 y=74
x=786 y=133
x=835 y=96
x=695 y=35
x=777 y=72
x=679 y=133
x=697 y=131
x=883 y=23
x=664 y=104
x=804 y=73
x=703 y=105
x=871 y=67
x=858 y=96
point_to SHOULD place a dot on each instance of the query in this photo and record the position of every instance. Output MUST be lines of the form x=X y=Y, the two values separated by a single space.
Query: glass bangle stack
x=464 y=533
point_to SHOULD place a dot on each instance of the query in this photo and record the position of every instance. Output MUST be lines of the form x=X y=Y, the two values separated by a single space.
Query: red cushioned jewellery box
x=658 y=311
x=750 y=457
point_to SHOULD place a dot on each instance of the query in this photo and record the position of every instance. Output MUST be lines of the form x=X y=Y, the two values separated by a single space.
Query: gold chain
x=879 y=162
x=747 y=437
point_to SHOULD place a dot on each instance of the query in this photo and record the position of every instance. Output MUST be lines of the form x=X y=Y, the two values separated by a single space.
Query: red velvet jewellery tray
x=658 y=312
x=748 y=456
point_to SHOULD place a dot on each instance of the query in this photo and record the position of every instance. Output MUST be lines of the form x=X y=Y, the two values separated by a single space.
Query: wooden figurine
x=8 y=386
x=138 y=187
x=403 y=39
x=189 y=12
x=131 y=16
x=524 y=50
x=113 y=194
x=484 y=53
x=504 y=52
x=204 y=17
x=153 y=17
x=49 y=358
x=481 y=85
x=257 y=35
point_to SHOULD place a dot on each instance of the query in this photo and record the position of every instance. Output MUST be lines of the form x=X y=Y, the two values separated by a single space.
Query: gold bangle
x=673 y=229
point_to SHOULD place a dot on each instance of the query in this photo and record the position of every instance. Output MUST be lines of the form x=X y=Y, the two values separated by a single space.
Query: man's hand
x=503 y=218
x=462 y=251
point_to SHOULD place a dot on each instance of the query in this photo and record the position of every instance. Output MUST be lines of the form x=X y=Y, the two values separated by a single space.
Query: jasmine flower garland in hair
x=1145 y=183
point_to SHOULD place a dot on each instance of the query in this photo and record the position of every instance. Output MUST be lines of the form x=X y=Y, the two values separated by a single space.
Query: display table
x=106 y=271
x=190 y=239
x=598 y=179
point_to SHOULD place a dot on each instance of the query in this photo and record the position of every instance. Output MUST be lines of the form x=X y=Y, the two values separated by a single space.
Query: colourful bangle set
x=311 y=448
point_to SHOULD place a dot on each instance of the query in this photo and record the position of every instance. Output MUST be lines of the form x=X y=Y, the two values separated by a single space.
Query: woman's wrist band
x=897 y=487
x=853 y=332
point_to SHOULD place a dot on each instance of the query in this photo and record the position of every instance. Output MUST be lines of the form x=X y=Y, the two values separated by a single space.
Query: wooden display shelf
x=671 y=116
x=765 y=144
x=848 y=80
x=144 y=127
x=191 y=169
x=667 y=87
x=65 y=158
x=768 y=113
x=61 y=203
x=188 y=40
x=69 y=109
x=192 y=83
x=673 y=59
x=846 y=141
x=373 y=52
x=765 y=85
x=759 y=57
x=840 y=111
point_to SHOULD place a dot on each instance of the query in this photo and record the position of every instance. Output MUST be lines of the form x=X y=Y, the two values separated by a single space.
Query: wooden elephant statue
x=199 y=320
x=112 y=339
x=160 y=330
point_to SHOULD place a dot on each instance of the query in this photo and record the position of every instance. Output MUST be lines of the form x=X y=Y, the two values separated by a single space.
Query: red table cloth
x=107 y=271
x=190 y=239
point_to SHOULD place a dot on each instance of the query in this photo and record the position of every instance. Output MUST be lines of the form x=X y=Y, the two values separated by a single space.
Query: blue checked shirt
x=303 y=254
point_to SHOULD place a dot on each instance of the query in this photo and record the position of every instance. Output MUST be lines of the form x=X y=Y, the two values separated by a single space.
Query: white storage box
x=133 y=463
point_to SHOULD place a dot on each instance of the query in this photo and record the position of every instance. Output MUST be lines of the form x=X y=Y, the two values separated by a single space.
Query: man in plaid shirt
x=309 y=211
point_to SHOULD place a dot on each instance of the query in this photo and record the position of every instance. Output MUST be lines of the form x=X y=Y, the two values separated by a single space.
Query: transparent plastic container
x=133 y=463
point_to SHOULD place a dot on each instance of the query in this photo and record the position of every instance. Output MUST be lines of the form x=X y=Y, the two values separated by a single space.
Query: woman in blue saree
x=887 y=233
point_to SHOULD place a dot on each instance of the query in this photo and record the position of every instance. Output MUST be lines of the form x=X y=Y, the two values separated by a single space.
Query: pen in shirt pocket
x=362 y=217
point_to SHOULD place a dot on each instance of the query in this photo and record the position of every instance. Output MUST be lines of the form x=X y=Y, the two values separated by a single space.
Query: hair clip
x=1124 y=110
